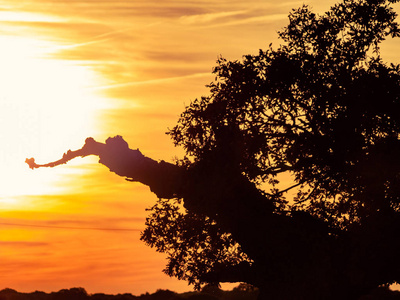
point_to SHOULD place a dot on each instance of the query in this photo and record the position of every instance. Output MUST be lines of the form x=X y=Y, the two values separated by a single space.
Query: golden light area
x=16 y=16
x=46 y=107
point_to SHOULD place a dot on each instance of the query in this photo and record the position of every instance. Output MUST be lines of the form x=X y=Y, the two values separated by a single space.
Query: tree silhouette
x=323 y=108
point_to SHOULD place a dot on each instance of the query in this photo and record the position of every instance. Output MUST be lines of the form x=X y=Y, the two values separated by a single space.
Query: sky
x=76 y=69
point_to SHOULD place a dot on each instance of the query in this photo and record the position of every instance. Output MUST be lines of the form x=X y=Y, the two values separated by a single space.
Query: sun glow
x=46 y=107
x=13 y=16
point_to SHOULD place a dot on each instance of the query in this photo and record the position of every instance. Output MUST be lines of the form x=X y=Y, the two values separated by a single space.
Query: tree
x=323 y=108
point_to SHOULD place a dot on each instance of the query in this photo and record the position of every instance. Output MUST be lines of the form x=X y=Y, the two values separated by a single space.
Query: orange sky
x=73 y=69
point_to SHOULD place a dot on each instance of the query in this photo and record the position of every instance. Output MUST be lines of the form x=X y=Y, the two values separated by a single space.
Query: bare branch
x=91 y=147
x=164 y=179
x=289 y=188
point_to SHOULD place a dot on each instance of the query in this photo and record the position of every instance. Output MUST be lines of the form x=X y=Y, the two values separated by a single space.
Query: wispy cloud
x=93 y=224
x=209 y=17
x=232 y=18
x=22 y=244
x=154 y=81
x=258 y=19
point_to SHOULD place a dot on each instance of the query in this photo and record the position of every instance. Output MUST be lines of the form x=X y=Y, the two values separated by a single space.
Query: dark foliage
x=323 y=106
x=194 y=239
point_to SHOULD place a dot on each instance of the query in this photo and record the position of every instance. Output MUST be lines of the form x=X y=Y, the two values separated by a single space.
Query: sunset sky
x=70 y=69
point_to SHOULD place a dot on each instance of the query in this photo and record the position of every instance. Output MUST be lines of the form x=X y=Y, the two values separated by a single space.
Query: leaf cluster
x=195 y=244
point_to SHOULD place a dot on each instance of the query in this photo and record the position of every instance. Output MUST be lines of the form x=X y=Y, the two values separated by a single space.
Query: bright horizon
x=72 y=70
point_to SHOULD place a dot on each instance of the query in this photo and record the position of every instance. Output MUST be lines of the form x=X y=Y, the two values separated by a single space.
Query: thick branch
x=91 y=147
x=164 y=179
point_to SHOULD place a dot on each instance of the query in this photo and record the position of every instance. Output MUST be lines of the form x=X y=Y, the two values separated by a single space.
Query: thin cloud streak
x=209 y=17
x=22 y=244
x=246 y=21
x=101 y=38
x=152 y=81
x=68 y=227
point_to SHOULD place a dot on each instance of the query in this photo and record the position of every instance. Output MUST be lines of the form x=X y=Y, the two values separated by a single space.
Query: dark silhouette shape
x=235 y=294
x=80 y=293
x=323 y=107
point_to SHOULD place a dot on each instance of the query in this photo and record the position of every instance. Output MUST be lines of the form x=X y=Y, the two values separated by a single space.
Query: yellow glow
x=46 y=107
x=11 y=16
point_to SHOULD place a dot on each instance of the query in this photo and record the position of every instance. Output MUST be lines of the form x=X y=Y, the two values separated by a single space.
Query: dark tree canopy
x=323 y=109
x=323 y=106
